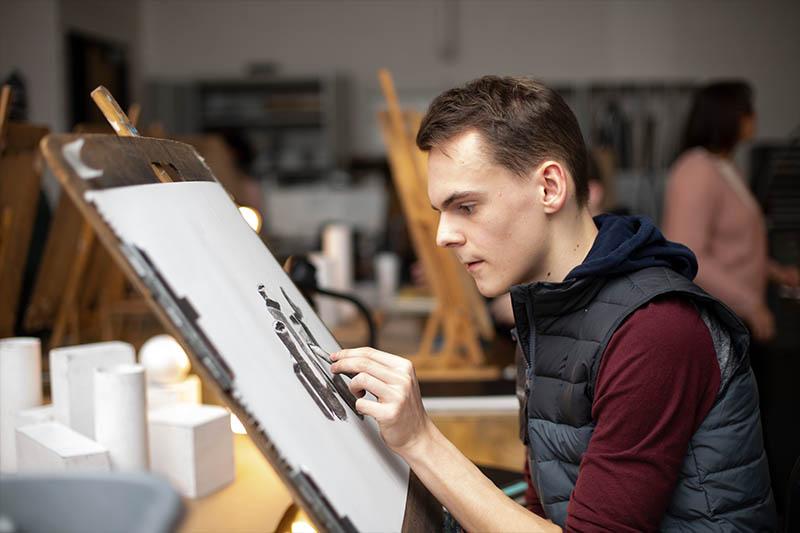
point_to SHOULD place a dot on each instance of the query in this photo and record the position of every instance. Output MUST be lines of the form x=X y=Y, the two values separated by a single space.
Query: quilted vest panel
x=563 y=330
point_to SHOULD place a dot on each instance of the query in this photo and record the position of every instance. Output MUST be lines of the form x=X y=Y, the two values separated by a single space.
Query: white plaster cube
x=72 y=380
x=160 y=395
x=192 y=446
x=53 y=447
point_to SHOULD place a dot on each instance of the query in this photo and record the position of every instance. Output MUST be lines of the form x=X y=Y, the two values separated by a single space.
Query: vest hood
x=624 y=244
x=629 y=243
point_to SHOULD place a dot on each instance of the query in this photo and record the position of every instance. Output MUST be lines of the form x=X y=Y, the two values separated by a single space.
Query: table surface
x=257 y=499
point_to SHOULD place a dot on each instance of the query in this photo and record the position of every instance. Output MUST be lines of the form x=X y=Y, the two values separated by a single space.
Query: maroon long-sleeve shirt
x=657 y=381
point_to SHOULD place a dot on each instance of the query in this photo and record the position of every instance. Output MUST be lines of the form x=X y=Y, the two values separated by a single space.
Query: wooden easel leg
x=106 y=325
x=449 y=354
x=67 y=311
x=6 y=224
x=432 y=326
x=472 y=348
x=113 y=292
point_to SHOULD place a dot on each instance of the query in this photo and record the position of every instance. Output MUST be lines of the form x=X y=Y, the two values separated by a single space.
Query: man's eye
x=467 y=209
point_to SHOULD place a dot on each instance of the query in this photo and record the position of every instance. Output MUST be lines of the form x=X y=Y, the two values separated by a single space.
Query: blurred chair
x=88 y=503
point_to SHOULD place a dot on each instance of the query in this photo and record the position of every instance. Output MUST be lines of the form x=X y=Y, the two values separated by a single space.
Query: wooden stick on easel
x=113 y=113
x=120 y=122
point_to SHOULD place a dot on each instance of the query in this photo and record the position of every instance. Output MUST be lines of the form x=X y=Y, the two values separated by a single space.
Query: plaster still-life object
x=54 y=447
x=120 y=418
x=164 y=360
x=192 y=446
x=20 y=388
x=72 y=380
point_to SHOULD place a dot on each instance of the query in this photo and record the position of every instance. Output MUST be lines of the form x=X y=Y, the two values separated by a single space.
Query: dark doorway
x=94 y=61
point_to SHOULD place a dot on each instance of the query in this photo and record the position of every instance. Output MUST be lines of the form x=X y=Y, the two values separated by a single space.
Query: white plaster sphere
x=164 y=360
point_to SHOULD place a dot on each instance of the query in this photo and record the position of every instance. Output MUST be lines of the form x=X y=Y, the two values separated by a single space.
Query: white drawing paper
x=273 y=342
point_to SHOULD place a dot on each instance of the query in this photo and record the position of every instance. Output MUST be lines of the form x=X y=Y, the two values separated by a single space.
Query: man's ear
x=553 y=182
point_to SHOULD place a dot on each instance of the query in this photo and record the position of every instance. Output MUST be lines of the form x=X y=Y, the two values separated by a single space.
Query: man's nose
x=447 y=235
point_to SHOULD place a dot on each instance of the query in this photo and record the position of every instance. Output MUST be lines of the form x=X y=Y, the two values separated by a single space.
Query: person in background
x=709 y=208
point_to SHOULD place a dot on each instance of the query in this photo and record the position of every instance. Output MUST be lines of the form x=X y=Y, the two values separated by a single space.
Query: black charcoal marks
x=311 y=364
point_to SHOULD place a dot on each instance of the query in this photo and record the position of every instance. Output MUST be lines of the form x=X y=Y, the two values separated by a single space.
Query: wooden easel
x=91 y=291
x=460 y=315
x=128 y=161
x=20 y=183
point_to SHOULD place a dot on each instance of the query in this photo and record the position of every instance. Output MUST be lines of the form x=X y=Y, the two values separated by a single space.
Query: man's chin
x=488 y=290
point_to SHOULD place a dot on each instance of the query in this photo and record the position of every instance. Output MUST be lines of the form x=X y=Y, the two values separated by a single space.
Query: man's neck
x=570 y=241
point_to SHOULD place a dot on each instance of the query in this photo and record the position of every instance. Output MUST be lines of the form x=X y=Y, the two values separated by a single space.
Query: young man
x=642 y=412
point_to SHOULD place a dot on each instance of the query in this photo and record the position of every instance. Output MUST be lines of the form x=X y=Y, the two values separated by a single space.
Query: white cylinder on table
x=326 y=306
x=387 y=276
x=120 y=416
x=337 y=244
x=20 y=388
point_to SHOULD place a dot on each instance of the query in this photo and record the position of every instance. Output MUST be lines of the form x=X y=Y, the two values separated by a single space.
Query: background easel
x=20 y=183
x=79 y=291
x=460 y=316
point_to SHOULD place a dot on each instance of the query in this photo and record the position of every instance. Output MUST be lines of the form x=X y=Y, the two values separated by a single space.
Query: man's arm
x=471 y=497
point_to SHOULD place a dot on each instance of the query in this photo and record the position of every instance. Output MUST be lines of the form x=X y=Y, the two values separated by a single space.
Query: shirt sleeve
x=657 y=381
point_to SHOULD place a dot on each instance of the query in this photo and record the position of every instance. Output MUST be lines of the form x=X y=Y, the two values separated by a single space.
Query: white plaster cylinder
x=337 y=244
x=72 y=379
x=120 y=415
x=387 y=276
x=326 y=306
x=20 y=388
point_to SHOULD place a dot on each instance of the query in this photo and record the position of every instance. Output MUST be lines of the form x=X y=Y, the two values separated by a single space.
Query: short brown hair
x=522 y=121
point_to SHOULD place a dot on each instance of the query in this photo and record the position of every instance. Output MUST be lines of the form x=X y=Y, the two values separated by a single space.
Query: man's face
x=491 y=218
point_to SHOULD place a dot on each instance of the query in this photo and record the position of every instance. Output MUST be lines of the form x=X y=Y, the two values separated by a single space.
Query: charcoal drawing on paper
x=311 y=363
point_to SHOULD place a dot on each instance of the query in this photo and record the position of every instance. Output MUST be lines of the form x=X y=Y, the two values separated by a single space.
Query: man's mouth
x=471 y=266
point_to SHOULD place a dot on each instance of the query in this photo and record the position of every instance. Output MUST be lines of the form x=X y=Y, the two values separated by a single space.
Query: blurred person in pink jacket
x=709 y=207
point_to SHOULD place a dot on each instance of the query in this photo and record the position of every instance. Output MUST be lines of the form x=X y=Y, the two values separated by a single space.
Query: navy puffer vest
x=563 y=330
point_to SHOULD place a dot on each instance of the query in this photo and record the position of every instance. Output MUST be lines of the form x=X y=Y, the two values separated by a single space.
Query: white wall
x=32 y=39
x=30 y=42
x=557 y=41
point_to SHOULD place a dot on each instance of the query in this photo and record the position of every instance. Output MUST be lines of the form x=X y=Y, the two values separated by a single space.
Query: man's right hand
x=401 y=417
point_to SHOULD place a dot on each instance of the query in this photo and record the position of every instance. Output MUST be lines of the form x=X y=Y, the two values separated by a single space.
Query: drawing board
x=215 y=285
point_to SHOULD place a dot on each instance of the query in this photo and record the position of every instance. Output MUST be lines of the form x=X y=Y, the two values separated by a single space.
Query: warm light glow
x=301 y=523
x=236 y=426
x=251 y=216
x=301 y=526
